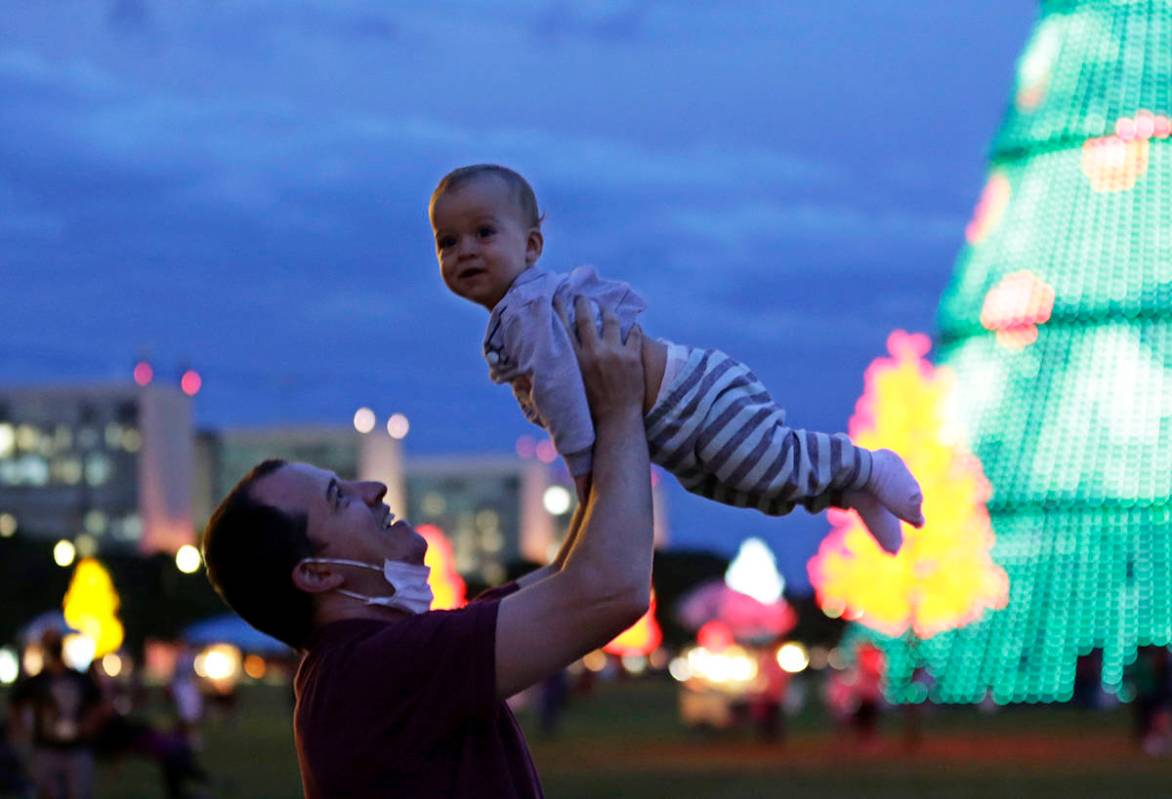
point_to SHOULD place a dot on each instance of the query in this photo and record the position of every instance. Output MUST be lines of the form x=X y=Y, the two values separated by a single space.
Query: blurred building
x=122 y=468
x=498 y=509
x=224 y=456
x=491 y=508
x=114 y=463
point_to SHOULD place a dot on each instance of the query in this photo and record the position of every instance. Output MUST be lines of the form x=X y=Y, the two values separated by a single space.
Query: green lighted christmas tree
x=1058 y=328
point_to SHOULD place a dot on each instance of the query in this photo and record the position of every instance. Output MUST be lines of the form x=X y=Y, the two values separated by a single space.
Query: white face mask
x=412 y=593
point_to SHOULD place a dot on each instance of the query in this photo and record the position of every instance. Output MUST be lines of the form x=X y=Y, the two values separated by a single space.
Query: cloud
x=130 y=16
x=612 y=22
x=26 y=69
x=747 y=225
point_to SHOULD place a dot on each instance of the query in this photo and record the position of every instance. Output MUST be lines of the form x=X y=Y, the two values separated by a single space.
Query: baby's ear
x=534 y=246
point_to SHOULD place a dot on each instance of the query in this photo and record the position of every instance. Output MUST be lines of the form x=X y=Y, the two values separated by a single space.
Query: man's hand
x=611 y=369
x=604 y=585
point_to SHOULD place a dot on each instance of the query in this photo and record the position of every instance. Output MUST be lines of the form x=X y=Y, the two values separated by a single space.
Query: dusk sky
x=242 y=185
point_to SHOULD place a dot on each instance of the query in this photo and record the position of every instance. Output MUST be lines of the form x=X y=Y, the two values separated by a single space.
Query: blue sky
x=242 y=185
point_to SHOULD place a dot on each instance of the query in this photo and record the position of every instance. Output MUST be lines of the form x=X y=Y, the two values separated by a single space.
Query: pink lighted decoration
x=191 y=382
x=743 y=616
x=143 y=373
x=1015 y=307
x=546 y=452
x=526 y=447
x=1144 y=125
x=715 y=636
x=1116 y=163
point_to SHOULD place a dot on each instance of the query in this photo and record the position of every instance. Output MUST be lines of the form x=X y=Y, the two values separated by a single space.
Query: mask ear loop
x=343 y=562
x=369 y=600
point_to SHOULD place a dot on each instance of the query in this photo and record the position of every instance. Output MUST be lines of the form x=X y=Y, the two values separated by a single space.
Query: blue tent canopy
x=231 y=629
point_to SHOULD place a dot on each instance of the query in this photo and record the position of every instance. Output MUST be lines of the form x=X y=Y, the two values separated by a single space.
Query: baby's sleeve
x=541 y=348
x=617 y=296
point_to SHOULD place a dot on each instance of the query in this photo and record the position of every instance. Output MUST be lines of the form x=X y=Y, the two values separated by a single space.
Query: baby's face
x=481 y=241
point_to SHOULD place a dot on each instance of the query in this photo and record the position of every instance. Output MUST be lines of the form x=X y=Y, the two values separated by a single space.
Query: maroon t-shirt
x=408 y=708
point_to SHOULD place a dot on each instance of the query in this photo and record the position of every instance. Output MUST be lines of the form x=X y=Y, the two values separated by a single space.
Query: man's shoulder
x=405 y=630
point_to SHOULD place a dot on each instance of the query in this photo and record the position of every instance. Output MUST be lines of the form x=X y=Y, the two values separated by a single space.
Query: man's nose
x=373 y=492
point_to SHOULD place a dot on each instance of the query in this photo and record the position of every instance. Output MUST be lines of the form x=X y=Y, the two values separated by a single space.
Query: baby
x=709 y=421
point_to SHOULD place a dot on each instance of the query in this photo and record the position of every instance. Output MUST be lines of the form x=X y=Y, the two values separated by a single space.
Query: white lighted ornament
x=753 y=572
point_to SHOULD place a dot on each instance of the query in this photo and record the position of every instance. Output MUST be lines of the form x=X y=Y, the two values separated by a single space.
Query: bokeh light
x=792 y=657
x=190 y=382
x=398 y=426
x=9 y=666
x=64 y=553
x=112 y=664
x=557 y=500
x=187 y=559
x=144 y=373
x=753 y=572
x=545 y=451
x=255 y=667
x=218 y=663
x=364 y=420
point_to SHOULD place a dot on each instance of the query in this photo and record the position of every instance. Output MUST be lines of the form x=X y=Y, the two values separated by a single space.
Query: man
x=64 y=709
x=394 y=701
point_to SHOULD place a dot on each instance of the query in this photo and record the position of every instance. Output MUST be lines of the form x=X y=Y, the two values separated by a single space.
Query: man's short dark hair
x=250 y=549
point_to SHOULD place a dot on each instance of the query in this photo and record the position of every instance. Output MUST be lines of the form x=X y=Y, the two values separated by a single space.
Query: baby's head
x=487 y=230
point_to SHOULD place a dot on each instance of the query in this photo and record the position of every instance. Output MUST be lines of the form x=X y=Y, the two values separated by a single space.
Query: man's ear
x=315 y=578
x=534 y=246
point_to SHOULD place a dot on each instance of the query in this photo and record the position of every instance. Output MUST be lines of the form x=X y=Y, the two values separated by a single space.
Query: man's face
x=346 y=519
x=481 y=242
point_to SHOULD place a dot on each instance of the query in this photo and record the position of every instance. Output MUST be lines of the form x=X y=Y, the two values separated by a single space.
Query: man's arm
x=551 y=569
x=605 y=583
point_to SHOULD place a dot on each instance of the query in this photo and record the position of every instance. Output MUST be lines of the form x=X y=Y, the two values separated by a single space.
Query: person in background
x=62 y=709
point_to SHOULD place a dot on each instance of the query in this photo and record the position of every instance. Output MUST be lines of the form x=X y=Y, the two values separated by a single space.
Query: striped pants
x=715 y=427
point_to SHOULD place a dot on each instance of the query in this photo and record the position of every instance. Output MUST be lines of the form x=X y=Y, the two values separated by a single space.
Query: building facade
x=111 y=463
x=225 y=456
x=121 y=468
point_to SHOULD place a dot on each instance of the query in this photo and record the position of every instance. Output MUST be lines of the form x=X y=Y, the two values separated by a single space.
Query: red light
x=526 y=447
x=546 y=452
x=190 y=382
x=143 y=373
x=715 y=636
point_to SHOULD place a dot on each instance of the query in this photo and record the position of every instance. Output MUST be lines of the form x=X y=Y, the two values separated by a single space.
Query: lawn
x=624 y=740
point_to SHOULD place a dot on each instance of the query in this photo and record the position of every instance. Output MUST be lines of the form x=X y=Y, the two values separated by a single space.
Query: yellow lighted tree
x=943 y=577
x=91 y=606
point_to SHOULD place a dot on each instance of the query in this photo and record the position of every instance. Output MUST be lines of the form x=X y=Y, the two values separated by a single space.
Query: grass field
x=625 y=741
